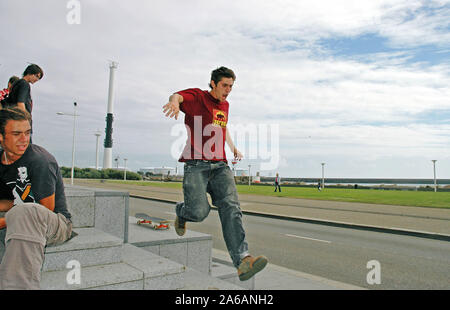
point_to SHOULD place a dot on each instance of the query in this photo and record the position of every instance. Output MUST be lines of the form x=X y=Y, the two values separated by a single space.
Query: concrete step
x=159 y=273
x=91 y=247
x=138 y=270
x=103 y=209
x=111 y=276
x=192 y=250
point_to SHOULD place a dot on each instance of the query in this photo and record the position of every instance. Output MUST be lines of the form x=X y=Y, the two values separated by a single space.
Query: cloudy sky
x=363 y=86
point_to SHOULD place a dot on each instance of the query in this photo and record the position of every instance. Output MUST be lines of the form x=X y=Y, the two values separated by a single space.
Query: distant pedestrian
x=277 y=183
x=319 y=186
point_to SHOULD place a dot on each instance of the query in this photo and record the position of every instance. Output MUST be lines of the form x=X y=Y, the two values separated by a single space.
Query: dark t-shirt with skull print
x=34 y=176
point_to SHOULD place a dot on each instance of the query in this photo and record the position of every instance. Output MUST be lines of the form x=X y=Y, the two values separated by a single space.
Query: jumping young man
x=206 y=169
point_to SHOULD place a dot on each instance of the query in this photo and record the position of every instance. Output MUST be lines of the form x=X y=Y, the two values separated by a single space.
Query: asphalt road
x=335 y=253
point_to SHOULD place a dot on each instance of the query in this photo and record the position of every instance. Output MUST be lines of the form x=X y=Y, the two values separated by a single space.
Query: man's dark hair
x=14 y=114
x=33 y=69
x=13 y=79
x=219 y=73
x=5 y=192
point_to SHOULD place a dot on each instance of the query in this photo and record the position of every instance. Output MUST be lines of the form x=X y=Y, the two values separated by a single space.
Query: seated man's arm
x=48 y=202
x=5 y=205
x=45 y=174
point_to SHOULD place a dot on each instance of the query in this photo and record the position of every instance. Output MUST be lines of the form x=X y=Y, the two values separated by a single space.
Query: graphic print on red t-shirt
x=220 y=118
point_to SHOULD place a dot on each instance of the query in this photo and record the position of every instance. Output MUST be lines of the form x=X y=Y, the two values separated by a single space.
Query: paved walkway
x=275 y=277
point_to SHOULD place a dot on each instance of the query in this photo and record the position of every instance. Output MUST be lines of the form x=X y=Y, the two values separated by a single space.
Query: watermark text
x=73 y=17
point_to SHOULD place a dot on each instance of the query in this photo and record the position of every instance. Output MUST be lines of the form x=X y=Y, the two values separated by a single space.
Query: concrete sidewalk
x=275 y=277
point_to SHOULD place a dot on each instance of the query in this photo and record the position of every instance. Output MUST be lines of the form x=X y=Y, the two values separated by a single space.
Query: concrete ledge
x=158 y=272
x=90 y=247
x=192 y=250
x=111 y=214
x=103 y=209
x=81 y=205
x=87 y=238
x=138 y=270
x=113 y=276
x=146 y=236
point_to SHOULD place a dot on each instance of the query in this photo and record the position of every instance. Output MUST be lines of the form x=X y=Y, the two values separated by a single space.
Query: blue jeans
x=215 y=178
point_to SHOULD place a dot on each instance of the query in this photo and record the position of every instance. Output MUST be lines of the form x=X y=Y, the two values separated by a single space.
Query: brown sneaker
x=180 y=226
x=250 y=266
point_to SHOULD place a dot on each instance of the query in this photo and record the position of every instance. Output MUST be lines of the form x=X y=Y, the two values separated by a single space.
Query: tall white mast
x=107 y=155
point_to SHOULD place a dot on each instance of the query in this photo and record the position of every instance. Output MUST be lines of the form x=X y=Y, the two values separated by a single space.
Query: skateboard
x=155 y=222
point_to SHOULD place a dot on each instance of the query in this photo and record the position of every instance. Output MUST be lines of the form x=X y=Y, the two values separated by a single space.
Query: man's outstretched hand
x=171 y=109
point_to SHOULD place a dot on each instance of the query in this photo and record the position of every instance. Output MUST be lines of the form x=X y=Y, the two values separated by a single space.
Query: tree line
x=91 y=173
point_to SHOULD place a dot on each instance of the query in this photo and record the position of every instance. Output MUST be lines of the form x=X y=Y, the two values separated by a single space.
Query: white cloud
x=410 y=25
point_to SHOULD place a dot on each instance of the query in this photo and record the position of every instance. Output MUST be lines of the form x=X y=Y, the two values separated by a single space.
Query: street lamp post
x=234 y=162
x=125 y=169
x=323 y=175
x=249 y=175
x=73 y=137
x=434 y=172
x=97 y=134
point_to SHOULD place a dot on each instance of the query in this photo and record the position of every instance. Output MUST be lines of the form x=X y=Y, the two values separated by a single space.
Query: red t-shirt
x=206 y=123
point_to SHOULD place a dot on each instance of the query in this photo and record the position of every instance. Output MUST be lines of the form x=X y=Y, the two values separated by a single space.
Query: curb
x=406 y=232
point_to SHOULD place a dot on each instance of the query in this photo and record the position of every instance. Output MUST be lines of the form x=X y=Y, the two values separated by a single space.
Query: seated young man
x=38 y=216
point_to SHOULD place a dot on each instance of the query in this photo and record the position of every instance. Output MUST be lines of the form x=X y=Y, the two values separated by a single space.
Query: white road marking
x=295 y=236
x=171 y=213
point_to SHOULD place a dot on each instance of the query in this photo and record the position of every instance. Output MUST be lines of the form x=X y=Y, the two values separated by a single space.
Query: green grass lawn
x=391 y=197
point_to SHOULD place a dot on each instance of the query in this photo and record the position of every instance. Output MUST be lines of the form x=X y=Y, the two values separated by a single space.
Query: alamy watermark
x=73 y=277
x=73 y=17
x=374 y=275
x=255 y=142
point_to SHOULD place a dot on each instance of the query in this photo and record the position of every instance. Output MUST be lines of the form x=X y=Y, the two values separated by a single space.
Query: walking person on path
x=206 y=169
x=277 y=183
